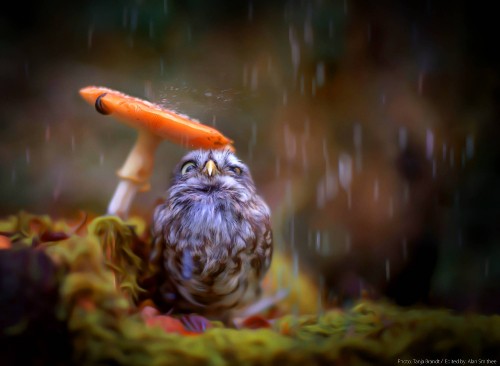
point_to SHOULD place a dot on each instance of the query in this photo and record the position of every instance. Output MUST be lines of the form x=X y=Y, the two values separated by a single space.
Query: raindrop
x=254 y=82
x=331 y=185
x=376 y=190
x=303 y=149
x=28 y=155
x=292 y=232
x=331 y=296
x=403 y=138
x=318 y=241
x=151 y=29
x=189 y=34
x=320 y=194
x=345 y=7
x=457 y=199
x=295 y=49
x=134 y=16
x=214 y=120
x=288 y=194
x=101 y=159
x=421 y=77
x=73 y=143
x=348 y=242
x=148 y=90
x=278 y=167
x=349 y=199
x=406 y=192
x=245 y=75
x=47 y=133
x=308 y=32
x=13 y=176
x=90 y=34
x=382 y=98
x=250 y=151
x=58 y=187
x=345 y=170
x=285 y=98
x=387 y=270
x=307 y=128
x=369 y=32
x=124 y=17
x=320 y=74
x=405 y=248
x=165 y=6
x=330 y=28
x=295 y=264
x=357 y=136
x=250 y=11
x=208 y=94
x=279 y=278
x=269 y=64
x=414 y=33
x=253 y=137
x=321 y=288
x=429 y=143
x=286 y=12
x=325 y=152
x=290 y=143
x=469 y=146
x=131 y=42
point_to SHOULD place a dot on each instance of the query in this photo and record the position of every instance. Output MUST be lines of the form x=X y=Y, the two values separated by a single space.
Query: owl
x=212 y=237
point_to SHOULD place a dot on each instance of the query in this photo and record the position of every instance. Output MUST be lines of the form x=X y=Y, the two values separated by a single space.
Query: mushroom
x=153 y=124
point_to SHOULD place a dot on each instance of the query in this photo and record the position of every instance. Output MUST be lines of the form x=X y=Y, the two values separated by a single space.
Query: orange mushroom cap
x=161 y=122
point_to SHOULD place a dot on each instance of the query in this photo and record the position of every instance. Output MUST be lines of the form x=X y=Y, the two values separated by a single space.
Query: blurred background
x=371 y=127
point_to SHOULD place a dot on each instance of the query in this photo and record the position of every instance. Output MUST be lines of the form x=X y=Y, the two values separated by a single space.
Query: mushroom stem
x=135 y=173
x=122 y=198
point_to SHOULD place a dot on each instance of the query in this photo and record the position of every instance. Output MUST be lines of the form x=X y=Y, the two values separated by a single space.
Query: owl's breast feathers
x=214 y=251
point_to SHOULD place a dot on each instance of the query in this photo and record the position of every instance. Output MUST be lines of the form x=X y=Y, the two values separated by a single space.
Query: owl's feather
x=213 y=238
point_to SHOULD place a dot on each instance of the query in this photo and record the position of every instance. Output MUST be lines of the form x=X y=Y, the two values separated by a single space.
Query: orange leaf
x=5 y=242
x=256 y=322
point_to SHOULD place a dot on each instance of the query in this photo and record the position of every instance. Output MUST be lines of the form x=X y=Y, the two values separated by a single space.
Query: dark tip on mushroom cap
x=99 y=106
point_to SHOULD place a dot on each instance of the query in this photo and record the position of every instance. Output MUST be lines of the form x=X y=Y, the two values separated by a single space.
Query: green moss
x=116 y=239
x=105 y=328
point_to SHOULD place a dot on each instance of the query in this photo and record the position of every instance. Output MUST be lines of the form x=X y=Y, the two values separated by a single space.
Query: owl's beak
x=210 y=168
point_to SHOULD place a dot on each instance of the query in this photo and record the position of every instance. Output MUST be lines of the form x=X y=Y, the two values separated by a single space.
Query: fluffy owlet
x=212 y=236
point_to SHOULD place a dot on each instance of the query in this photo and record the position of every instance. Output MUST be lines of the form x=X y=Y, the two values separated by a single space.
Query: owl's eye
x=187 y=167
x=235 y=170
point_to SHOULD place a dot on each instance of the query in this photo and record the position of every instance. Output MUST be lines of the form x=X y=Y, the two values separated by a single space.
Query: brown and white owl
x=212 y=236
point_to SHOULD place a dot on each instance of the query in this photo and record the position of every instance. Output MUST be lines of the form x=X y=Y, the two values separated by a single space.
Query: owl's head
x=212 y=173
